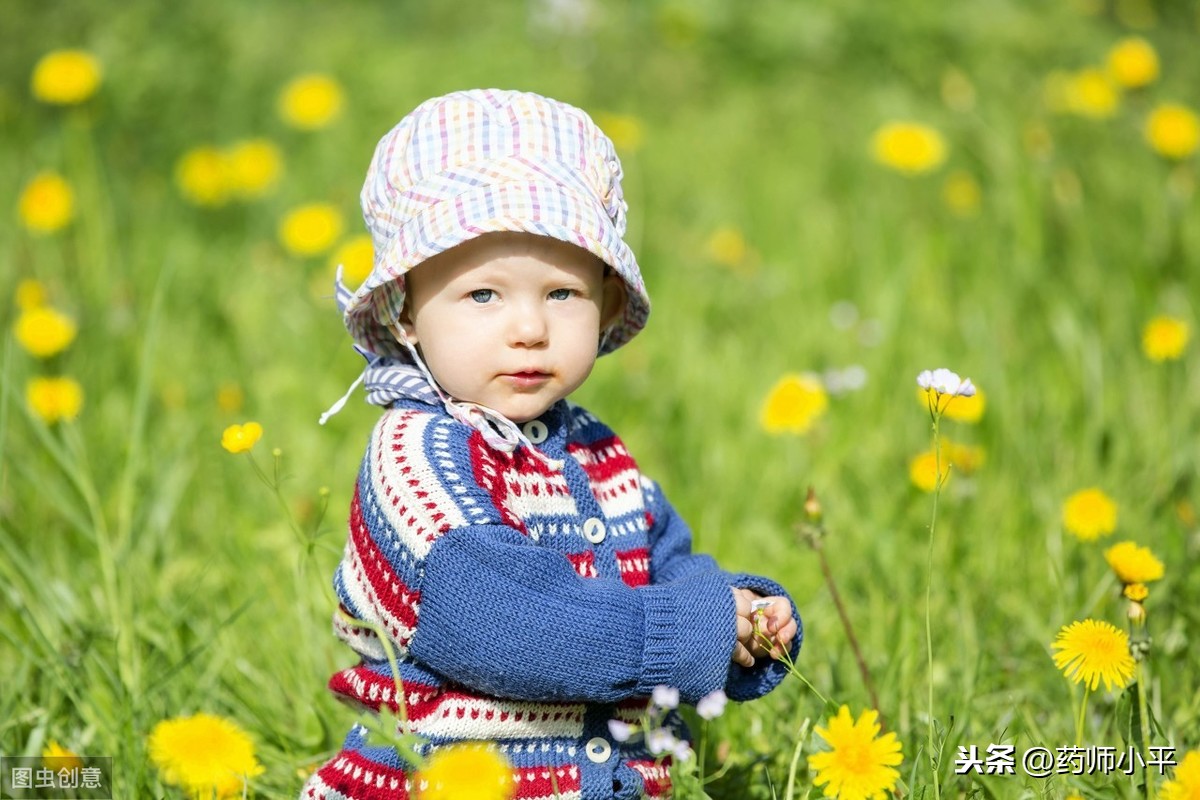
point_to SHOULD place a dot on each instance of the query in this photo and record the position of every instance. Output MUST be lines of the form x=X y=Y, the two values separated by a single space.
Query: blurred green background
x=147 y=574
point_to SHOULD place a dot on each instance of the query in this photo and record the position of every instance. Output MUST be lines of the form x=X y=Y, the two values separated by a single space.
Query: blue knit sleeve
x=514 y=620
x=671 y=556
x=671 y=559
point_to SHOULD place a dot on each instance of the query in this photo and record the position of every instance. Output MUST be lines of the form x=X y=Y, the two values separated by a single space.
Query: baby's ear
x=614 y=299
x=403 y=328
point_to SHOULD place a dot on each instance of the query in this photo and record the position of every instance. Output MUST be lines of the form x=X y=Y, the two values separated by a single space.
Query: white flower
x=712 y=705
x=660 y=740
x=621 y=731
x=665 y=697
x=682 y=751
x=943 y=381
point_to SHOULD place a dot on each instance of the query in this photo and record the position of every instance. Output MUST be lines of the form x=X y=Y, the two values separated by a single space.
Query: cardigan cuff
x=690 y=631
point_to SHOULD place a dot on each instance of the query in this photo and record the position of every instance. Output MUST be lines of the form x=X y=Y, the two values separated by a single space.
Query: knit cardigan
x=527 y=603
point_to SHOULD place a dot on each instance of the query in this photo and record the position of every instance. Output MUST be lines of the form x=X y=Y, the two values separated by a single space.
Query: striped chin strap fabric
x=387 y=380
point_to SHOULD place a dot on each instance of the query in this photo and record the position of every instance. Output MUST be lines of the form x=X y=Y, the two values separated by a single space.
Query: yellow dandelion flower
x=1133 y=564
x=923 y=470
x=204 y=754
x=44 y=332
x=241 y=438
x=860 y=764
x=1165 y=338
x=727 y=246
x=47 y=203
x=466 y=772
x=908 y=147
x=1089 y=93
x=1173 y=130
x=961 y=194
x=56 y=757
x=311 y=101
x=254 y=167
x=625 y=130
x=65 y=77
x=1133 y=62
x=310 y=230
x=1137 y=592
x=1089 y=514
x=794 y=404
x=230 y=397
x=30 y=294
x=54 y=399
x=1185 y=783
x=1094 y=650
x=203 y=175
x=357 y=257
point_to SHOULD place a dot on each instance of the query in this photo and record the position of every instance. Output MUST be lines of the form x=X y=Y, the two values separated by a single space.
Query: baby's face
x=511 y=321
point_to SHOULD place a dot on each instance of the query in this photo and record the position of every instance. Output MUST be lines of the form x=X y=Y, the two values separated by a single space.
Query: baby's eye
x=561 y=294
x=482 y=295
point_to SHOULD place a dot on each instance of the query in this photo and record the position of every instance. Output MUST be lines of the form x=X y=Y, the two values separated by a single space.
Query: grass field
x=146 y=573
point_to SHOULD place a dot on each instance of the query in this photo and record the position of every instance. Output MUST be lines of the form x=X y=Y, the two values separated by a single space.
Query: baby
x=530 y=582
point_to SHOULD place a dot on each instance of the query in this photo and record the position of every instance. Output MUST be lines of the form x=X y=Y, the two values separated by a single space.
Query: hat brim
x=540 y=208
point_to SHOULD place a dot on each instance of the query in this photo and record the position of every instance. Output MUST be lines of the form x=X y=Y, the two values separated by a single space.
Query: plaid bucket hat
x=483 y=161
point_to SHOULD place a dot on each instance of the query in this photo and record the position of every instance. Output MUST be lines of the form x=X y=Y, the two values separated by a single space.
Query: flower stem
x=1144 y=730
x=845 y=617
x=791 y=781
x=1082 y=716
x=935 y=413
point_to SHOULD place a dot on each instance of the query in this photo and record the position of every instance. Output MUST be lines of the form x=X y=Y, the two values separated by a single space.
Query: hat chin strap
x=497 y=430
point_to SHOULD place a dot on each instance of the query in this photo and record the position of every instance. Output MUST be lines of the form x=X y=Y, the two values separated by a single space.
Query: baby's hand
x=772 y=625
x=745 y=628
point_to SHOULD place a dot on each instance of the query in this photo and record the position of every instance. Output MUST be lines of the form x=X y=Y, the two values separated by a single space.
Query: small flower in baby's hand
x=241 y=438
x=665 y=697
x=712 y=705
x=620 y=731
x=944 y=382
x=660 y=741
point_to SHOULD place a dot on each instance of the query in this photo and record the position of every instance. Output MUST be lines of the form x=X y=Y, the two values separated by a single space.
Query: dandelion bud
x=1136 y=612
x=277 y=452
x=812 y=506
x=323 y=491
x=1137 y=592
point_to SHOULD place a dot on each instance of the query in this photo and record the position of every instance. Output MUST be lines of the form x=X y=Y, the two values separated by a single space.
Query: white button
x=535 y=430
x=593 y=530
x=598 y=750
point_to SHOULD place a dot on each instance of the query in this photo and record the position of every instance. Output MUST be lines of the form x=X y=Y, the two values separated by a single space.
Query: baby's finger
x=760 y=646
x=742 y=656
x=741 y=603
x=785 y=634
x=779 y=613
x=783 y=640
x=745 y=630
